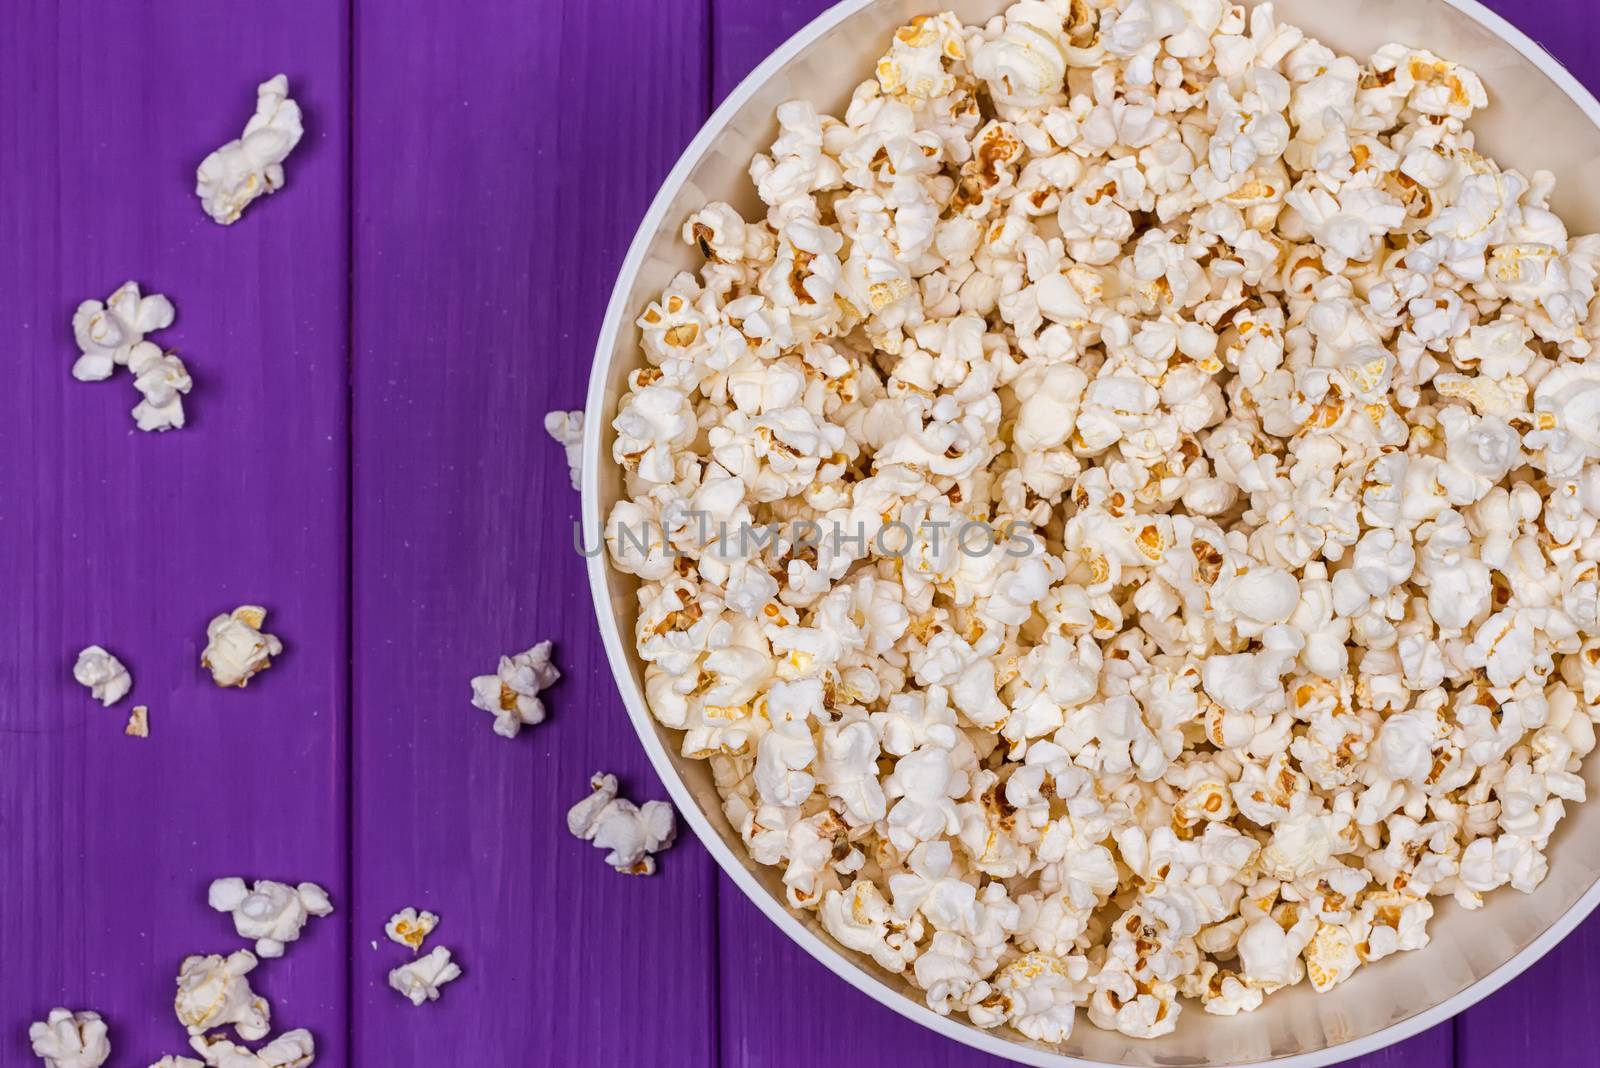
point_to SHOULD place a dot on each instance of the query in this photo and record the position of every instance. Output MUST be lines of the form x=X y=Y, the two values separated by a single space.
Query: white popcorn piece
x=631 y=834
x=566 y=428
x=105 y=676
x=113 y=334
x=411 y=928
x=292 y=1049
x=1173 y=454
x=421 y=980
x=69 y=1039
x=138 y=722
x=511 y=695
x=163 y=381
x=862 y=920
x=107 y=333
x=233 y=176
x=271 y=913
x=236 y=646
x=214 y=992
x=1040 y=994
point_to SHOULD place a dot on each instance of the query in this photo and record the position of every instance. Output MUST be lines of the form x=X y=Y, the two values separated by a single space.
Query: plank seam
x=350 y=536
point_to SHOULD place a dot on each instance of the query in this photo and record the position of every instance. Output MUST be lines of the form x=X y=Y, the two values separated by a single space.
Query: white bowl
x=1539 y=117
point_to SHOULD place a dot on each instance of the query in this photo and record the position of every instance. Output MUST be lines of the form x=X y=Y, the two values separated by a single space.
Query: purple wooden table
x=373 y=351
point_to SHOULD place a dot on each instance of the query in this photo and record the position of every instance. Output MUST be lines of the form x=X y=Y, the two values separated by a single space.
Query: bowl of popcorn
x=1092 y=510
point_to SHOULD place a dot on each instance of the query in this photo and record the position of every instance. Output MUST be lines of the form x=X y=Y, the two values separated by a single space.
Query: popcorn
x=916 y=59
x=408 y=927
x=138 y=722
x=162 y=381
x=1027 y=64
x=1172 y=462
x=233 y=176
x=214 y=992
x=69 y=1039
x=271 y=913
x=108 y=681
x=1039 y=994
x=511 y=695
x=633 y=835
x=421 y=980
x=292 y=1049
x=567 y=430
x=236 y=646
x=108 y=333
x=862 y=920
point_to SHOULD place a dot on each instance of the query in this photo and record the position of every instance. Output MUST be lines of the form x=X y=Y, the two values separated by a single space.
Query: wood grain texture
x=135 y=541
x=504 y=153
x=504 y=156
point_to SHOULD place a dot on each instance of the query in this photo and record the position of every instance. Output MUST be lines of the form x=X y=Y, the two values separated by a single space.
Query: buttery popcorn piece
x=105 y=676
x=233 y=176
x=421 y=980
x=138 y=722
x=411 y=928
x=511 y=695
x=292 y=1049
x=271 y=913
x=69 y=1039
x=236 y=646
x=631 y=834
x=214 y=992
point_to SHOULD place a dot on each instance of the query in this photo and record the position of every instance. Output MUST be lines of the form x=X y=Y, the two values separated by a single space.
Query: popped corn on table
x=373 y=350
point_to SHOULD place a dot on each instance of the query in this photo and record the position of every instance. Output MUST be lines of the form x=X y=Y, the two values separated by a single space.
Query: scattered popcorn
x=632 y=835
x=567 y=429
x=1120 y=519
x=236 y=646
x=234 y=175
x=408 y=927
x=108 y=333
x=292 y=1049
x=113 y=334
x=138 y=722
x=271 y=913
x=214 y=992
x=421 y=980
x=511 y=695
x=105 y=676
x=71 y=1040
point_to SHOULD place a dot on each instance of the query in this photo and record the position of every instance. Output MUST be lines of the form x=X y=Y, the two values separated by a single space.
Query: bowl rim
x=644 y=724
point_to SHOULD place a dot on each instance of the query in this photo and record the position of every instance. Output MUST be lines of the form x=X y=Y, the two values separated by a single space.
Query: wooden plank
x=505 y=153
x=1434 y=1048
x=135 y=540
x=1545 y=1016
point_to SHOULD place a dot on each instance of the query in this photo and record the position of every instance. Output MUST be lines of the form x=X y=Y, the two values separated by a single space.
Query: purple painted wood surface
x=502 y=164
x=134 y=541
x=373 y=351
